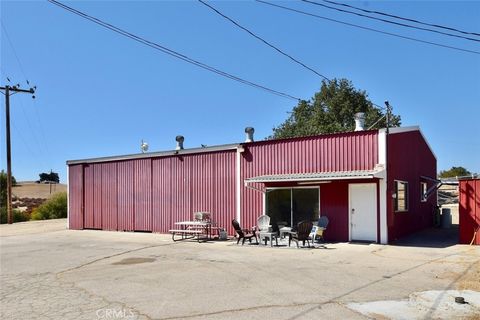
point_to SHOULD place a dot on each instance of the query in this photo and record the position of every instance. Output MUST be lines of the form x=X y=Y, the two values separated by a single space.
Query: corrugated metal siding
x=97 y=195
x=469 y=211
x=109 y=196
x=181 y=188
x=153 y=193
x=339 y=152
x=143 y=194
x=187 y=184
x=213 y=187
x=162 y=198
x=75 y=197
x=89 y=216
x=125 y=196
x=225 y=190
x=409 y=158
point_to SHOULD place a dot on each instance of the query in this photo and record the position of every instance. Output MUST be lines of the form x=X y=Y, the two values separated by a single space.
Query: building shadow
x=431 y=238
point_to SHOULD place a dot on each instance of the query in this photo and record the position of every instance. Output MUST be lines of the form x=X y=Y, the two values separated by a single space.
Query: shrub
x=53 y=208
x=18 y=216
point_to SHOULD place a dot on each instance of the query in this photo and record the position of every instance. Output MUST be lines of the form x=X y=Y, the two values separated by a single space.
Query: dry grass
x=37 y=190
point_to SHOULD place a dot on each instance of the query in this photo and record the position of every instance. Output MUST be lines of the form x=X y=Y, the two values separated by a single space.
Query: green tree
x=454 y=172
x=52 y=176
x=3 y=187
x=332 y=109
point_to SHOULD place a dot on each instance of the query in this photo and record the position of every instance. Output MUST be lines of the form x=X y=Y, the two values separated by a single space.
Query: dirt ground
x=37 y=190
x=470 y=280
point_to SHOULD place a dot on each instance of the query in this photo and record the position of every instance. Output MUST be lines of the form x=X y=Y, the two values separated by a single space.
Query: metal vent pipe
x=249 y=134
x=359 y=121
x=179 y=140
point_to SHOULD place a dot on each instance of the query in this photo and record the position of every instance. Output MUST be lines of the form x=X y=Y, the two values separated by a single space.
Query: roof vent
x=359 y=121
x=179 y=140
x=249 y=131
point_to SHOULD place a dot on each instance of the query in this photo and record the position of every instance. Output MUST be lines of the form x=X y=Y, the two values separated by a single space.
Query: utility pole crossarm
x=17 y=89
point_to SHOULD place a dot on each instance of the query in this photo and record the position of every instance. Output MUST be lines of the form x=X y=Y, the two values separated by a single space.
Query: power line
x=367 y=28
x=42 y=131
x=264 y=41
x=402 y=18
x=14 y=51
x=389 y=21
x=379 y=119
x=171 y=52
x=21 y=103
x=272 y=46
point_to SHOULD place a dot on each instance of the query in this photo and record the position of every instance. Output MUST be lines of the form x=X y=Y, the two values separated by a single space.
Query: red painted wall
x=409 y=158
x=469 y=211
x=152 y=194
x=186 y=184
x=325 y=153
x=334 y=205
x=89 y=191
x=108 y=195
x=142 y=194
x=75 y=197
x=125 y=196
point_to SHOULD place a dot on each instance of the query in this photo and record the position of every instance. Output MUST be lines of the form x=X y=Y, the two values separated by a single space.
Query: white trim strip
x=238 y=177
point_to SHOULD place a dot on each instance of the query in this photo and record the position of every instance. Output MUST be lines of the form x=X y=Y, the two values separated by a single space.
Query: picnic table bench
x=186 y=234
x=193 y=229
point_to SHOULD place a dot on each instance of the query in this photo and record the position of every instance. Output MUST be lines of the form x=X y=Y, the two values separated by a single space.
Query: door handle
x=353 y=210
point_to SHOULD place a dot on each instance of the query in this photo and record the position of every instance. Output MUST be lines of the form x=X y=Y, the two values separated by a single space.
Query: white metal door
x=363 y=211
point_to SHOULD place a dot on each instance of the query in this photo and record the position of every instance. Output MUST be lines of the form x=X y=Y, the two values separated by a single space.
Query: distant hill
x=30 y=189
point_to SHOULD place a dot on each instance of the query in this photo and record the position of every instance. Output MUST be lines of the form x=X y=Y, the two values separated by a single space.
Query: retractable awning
x=318 y=176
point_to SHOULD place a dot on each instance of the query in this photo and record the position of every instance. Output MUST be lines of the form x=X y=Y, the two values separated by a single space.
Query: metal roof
x=318 y=176
x=212 y=148
x=157 y=154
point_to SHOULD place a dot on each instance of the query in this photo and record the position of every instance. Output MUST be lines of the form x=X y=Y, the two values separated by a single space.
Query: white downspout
x=382 y=160
x=238 y=177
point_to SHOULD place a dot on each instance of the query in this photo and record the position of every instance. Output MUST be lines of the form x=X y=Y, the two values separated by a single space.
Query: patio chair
x=319 y=229
x=302 y=233
x=271 y=233
x=263 y=223
x=244 y=234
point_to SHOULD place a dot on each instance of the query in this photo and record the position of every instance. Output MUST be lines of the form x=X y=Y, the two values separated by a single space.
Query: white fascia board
x=409 y=129
x=400 y=129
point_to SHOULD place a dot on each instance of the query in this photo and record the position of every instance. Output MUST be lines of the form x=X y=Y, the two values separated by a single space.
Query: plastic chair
x=302 y=233
x=244 y=233
x=319 y=229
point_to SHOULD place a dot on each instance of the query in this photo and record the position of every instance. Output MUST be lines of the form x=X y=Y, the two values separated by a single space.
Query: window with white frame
x=423 y=191
x=401 y=196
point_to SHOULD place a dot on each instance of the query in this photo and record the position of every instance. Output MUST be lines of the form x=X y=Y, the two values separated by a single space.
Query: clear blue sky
x=99 y=93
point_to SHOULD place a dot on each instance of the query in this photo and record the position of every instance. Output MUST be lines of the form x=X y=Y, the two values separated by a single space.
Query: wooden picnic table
x=193 y=229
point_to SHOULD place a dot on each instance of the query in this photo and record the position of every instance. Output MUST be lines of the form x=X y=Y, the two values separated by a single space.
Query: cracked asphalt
x=48 y=272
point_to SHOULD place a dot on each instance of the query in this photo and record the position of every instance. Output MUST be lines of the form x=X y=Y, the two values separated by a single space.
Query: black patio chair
x=244 y=234
x=302 y=233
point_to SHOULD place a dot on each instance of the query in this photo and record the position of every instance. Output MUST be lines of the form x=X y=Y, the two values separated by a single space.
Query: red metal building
x=469 y=211
x=370 y=185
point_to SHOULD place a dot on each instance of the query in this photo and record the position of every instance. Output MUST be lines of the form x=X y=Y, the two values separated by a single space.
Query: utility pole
x=8 y=89
x=387 y=117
